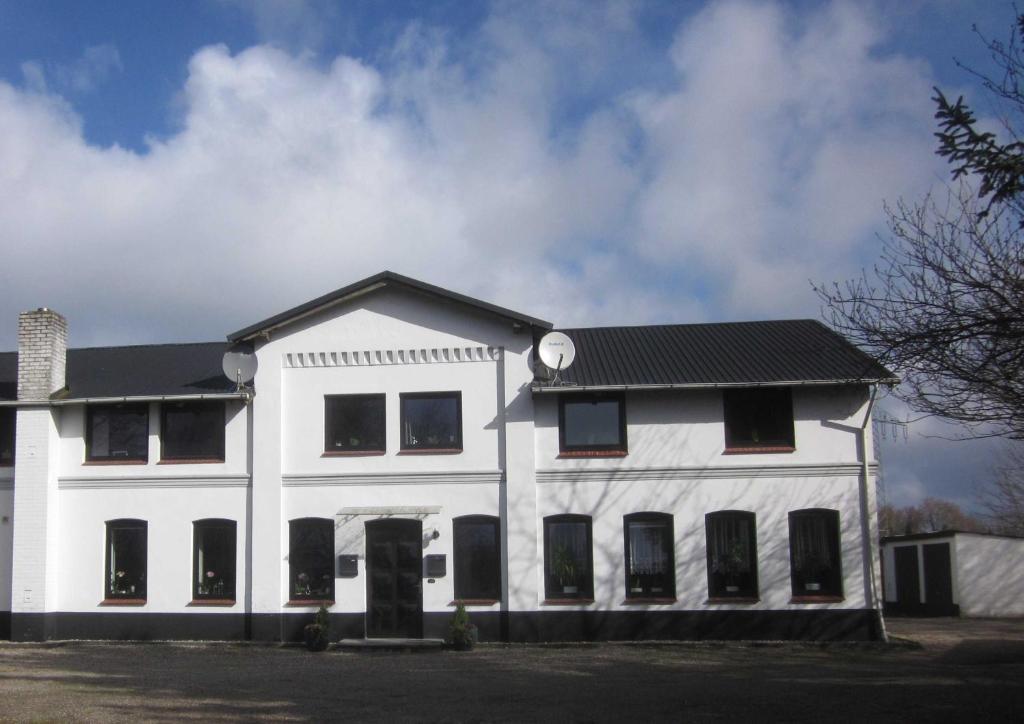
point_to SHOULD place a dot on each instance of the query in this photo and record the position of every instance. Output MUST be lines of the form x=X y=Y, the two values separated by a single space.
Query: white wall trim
x=375 y=357
x=617 y=475
x=455 y=477
x=154 y=481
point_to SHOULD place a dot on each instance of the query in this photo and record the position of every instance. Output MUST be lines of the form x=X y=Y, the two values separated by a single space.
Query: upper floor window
x=117 y=433
x=568 y=557
x=126 y=559
x=311 y=559
x=732 y=554
x=432 y=421
x=213 y=559
x=590 y=424
x=354 y=424
x=192 y=430
x=477 y=558
x=8 y=422
x=758 y=419
x=650 y=556
x=815 y=566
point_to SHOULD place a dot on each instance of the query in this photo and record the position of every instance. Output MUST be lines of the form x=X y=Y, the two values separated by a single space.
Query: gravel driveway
x=957 y=673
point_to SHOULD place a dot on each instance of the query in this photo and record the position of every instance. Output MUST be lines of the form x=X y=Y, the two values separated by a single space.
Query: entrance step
x=390 y=645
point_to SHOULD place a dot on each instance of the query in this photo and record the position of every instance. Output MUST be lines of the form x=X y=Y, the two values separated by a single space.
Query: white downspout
x=867 y=529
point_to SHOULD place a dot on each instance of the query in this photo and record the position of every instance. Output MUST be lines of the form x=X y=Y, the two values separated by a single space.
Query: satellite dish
x=239 y=365
x=556 y=351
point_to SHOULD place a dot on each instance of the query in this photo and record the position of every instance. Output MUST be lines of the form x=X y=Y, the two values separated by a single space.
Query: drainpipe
x=867 y=534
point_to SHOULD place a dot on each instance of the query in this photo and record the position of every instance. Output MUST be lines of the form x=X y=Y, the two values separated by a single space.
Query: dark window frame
x=294 y=584
x=140 y=408
x=669 y=587
x=226 y=591
x=405 y=447
x=829 y=581
x=554 y=586
x=330 y=437
x=738 y=439
x=8 y=427
x=110 y=591
x=746 y=583
x=218 y=455
x=472 y=590
x=618 y=448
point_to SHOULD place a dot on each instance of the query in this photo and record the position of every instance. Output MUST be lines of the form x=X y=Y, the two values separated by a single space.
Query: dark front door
x=938 y=580
x=908 y=581
x=394 y=557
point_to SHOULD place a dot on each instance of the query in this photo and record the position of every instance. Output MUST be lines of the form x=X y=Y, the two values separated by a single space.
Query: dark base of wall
x=533 y=626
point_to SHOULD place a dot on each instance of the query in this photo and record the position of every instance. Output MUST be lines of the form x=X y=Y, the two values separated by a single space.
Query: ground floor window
x=814 y=553
x=311 y=559
x=126 y=559
x=213 y=560
x=732 y=554
x=477 y=558
x=568 y=557
x=650 y=559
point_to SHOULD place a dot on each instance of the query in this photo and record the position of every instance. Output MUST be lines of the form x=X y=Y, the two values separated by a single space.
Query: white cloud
x=763 y=161
x=96 y=64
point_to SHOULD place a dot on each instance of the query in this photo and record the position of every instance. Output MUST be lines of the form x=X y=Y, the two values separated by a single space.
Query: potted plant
x=316 y=633
x=731 y=564
x=813 y=570
x=462 y=632
x=564 y=567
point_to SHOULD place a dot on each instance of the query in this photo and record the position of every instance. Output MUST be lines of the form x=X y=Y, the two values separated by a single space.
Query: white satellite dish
x=239 y=365
x=556 y=351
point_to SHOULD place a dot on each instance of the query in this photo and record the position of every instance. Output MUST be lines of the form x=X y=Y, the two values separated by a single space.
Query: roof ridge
x=687 y=324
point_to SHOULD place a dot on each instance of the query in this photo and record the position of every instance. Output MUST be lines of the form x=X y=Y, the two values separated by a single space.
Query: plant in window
x=317 y=634
x=731 y=563
x=563 y=565
x=814 y=568
x=463 y=633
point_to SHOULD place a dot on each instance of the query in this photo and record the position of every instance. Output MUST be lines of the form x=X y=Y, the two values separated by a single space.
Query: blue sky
x=176 y=170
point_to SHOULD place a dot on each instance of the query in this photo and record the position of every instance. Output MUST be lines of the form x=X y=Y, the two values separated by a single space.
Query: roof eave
x=569 y=387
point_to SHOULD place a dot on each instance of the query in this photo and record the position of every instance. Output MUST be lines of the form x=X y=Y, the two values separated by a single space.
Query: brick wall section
x=42 y=353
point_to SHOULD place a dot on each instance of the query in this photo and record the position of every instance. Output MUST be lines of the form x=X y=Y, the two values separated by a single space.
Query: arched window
x=477 y=558
x=213 y=559
x=126 y=560
x=568 y=557
x=650 y=555
x=732 y=554
x=311 y=559
x=815 y=565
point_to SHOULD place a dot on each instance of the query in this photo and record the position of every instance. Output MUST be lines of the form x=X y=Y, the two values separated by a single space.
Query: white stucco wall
x=989 y=575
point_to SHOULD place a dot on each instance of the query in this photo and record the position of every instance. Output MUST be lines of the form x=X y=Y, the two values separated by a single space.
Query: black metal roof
x=138 y=371
x=730 y=353
x=381 y=279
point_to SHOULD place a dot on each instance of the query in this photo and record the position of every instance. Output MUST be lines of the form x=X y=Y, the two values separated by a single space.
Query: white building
x=953 y=573
x=399 y=449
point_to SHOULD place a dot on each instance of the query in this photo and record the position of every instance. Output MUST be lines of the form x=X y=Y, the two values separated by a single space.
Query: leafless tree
x=944 y=306
x=931 y=516
x=1003 y=500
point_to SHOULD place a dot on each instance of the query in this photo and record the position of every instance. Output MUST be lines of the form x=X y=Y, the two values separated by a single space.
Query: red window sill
x=190 y=461
x=352 y=453
x=566 y=601
x=654 y=601
x=311 y=602
x=474 y=601
x=123 y=602
x=119 y=461
x=432 y=451
x=593 y=453
x=733 y=599
x=6 y=465
x=211 y=602
x=756 y=450
x=816 y=599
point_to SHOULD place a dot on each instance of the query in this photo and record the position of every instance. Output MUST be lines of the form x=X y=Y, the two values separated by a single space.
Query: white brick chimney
x=42 y=353
x=42 y=358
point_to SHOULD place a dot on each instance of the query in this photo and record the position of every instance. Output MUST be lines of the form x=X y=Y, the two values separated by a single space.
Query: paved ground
x=961 y=671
